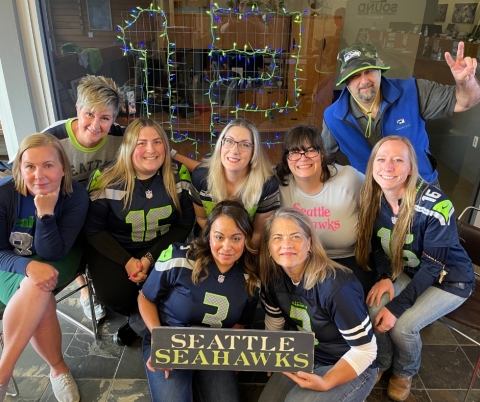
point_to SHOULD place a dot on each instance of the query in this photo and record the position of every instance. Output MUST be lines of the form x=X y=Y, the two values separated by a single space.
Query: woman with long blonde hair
x=423 y=271
x=238 y=169
x=139 y=205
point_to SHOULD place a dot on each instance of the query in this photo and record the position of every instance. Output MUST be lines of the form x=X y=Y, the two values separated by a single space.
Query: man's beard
x=368 y=95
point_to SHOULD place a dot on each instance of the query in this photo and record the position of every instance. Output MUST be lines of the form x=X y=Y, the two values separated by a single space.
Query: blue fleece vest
x=401 y=116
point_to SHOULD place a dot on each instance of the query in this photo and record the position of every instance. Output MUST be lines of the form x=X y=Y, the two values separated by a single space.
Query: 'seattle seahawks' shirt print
x=433 y=242
x=212 y=303
x=334 y=310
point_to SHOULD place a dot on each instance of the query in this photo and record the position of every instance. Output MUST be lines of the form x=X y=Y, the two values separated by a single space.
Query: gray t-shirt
x=435 y=101
x=84 y=161
x=333 y=210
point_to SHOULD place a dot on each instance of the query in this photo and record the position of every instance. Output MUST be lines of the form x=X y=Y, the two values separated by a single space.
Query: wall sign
x=377 y=7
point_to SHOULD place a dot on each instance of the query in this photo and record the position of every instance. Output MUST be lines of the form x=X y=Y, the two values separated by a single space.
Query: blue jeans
x=183 y=385
x=281 y=388
x=401 y=347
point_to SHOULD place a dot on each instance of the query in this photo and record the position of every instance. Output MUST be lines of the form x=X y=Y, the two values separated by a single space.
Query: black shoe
x=125 y=335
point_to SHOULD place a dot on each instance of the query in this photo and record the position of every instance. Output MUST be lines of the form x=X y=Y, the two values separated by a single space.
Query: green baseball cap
x=356 y=58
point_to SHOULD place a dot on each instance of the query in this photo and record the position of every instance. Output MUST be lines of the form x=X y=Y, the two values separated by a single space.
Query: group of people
x=364 y=256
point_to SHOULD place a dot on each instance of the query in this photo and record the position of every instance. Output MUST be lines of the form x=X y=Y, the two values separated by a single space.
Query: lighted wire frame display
x=215 y=12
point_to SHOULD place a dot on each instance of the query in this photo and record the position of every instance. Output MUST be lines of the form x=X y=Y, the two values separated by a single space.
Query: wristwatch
x=45 y=216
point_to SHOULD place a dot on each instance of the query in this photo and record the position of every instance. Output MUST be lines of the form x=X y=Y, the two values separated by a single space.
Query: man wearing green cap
x=372 y=106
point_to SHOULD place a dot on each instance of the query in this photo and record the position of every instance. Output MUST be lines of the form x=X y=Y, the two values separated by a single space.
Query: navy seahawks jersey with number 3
x=431 y=245
x=334 y=310
x=214 y=302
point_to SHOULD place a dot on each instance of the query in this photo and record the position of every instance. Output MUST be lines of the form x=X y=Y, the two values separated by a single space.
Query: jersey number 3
x=301 y=314
x=222 y=305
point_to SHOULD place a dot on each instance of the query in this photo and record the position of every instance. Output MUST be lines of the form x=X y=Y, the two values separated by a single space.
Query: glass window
x=194 y=70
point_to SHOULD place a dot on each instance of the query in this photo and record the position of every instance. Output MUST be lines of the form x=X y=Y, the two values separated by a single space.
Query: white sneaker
x=64 y=388
x=97 y=307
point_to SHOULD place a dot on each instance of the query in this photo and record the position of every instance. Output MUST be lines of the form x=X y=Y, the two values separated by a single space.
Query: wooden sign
x=197 y=348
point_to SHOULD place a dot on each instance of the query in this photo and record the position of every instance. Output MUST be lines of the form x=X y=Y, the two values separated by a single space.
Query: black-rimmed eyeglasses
x=228 y=143
x=296 y=155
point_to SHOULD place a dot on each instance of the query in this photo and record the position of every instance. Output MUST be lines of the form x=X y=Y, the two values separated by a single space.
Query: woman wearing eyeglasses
x=328 y=194
x=240 y=170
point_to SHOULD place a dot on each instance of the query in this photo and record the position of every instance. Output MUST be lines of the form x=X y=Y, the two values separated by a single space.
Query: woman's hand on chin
x=45 y=203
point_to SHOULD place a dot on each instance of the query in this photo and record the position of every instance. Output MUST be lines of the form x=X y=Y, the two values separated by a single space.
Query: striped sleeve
x=270 y=197
x=351 y=317
x=274 y=319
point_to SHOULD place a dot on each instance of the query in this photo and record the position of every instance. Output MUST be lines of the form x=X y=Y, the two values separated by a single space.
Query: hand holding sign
x=153 y=369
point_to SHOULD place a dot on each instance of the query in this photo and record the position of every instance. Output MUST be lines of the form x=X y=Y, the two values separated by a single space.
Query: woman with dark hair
x=139 y=205
x=328 y=194
x=41 y=213
x=424 y=272
x=238 y=169
x=302 y=287
x=211 y=282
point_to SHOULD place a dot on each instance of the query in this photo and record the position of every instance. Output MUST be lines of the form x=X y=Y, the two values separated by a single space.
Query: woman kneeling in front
x=211 y=283
x=304 y=288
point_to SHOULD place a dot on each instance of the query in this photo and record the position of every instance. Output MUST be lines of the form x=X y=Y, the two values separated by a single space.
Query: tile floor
x=106 y=372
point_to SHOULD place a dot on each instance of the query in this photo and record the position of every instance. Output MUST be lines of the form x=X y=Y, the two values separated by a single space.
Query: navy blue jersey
x=432 y=243
x=212 y=303
x=269 y=199
x=333 y=309
x=150 y=215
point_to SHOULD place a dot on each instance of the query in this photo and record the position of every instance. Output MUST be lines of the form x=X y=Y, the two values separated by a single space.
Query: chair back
x=469 y=312
x=469 y=238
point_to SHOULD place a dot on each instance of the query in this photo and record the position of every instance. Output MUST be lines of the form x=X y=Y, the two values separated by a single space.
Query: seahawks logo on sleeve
x=442 y=210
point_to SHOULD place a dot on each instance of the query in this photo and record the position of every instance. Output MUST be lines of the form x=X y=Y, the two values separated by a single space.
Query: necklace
x=149 y=194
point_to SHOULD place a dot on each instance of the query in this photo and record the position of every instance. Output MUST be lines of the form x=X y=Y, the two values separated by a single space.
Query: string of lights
x=264 y=81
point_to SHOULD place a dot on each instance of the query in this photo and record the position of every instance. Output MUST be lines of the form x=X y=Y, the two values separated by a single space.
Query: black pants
x=367 y=279
x=112 y=286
